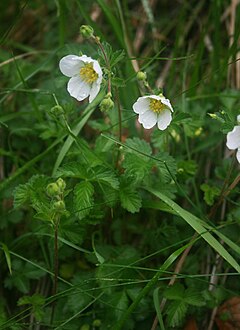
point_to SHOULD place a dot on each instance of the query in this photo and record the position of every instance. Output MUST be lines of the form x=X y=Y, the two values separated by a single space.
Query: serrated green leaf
x=137 y=144
x=193 y=297
x=136 y=167
x=167 y=166
x=74 y=170
x=83 y=198
x=130 y=199
x=26 y=193
x=176 y=312
x=174 y=292
x=107 y=176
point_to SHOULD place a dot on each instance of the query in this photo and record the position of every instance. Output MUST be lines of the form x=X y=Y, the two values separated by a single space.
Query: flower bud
x=86 y=31
x=141 y=76
x=85 y=327
x=52 y=189
x=57 y=111
x=61 y=184
x=59 y=205
x=97 y=323
x=107 y=103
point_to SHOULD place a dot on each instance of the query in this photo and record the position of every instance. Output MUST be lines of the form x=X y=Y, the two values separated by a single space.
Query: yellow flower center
x=156 y=106
x=88 y=74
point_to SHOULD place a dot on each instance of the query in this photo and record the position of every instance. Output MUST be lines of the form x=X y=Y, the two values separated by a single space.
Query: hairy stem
x=55 y=280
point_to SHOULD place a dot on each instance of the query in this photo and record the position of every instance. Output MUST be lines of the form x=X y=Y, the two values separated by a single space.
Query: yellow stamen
x=156 y=106
x=88 y=74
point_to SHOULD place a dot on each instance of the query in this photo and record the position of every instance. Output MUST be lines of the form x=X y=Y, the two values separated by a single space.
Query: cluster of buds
x=55 y=191
x=107 y=103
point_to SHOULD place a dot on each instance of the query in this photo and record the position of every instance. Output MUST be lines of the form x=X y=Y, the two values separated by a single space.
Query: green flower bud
x=52 y=189
x=61 y=184
x=57 y=111
x=59 y=205
x=141 y=76
x=85 y=327
x=107 y=103
x=86 y=31
x=97 y=323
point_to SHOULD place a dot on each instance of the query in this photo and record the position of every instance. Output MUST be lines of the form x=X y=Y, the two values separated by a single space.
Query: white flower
x=233 y=139
x=85 y=74
x=153 y=109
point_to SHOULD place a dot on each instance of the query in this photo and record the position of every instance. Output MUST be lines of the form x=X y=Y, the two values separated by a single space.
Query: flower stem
x=55 y=281
x=96 y=39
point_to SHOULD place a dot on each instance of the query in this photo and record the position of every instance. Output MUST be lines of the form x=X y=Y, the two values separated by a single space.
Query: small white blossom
x=233 y=139
x=85 y=76
x=152 y=110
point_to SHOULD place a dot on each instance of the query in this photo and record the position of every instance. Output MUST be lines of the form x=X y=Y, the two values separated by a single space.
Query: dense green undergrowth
x=105 y=224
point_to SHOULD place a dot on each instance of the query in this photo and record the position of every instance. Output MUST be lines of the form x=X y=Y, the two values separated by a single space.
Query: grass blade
x=196 y=224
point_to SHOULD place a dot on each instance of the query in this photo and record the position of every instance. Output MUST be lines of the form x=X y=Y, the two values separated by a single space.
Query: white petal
x=167 y=103
x=156 y=97
x=78 y=89
x=164 y=119
x=70 y=65
x=86 y=59
x=238 y=119
x=163 y=100
x=233 y=138
x=97 y=69
x=94 y=91
x=148 y=119
x=141 y=105
x=238 y=155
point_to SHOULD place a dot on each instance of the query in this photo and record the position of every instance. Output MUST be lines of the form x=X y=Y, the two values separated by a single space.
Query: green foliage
x=210 y=193
x=22 y=273
x=180 y=299
x=118 y=204
x=130 y=197
x=83 y=198
x=36 y=301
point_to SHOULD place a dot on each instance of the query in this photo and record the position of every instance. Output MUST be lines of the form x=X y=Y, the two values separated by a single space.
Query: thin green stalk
x=98 y=42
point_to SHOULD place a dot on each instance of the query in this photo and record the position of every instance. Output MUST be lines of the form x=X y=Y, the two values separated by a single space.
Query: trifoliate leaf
x=83 y=198
x=37 y=301
x=210 y=193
